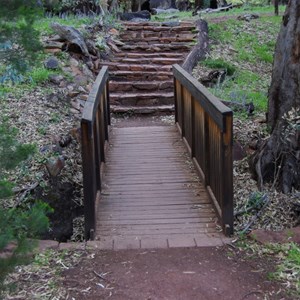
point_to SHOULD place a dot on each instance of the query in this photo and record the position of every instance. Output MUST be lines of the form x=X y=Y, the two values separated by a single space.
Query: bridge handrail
x=205 y=124
x=94 y=134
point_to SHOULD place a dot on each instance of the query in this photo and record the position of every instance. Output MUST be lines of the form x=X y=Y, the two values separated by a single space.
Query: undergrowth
x=245 y=50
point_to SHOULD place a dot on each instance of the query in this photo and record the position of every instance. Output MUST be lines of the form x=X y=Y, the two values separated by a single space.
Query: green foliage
x=219 y=64
x=11 y=151
x=39 y=75
x=16 y=225
x=249 y=48
x=19 y=41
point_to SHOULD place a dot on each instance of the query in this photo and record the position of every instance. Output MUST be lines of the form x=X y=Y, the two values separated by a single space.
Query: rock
x=74 y=111
x=265 y=236
x=73 y=94
x=113 y=31
x=160 y=10
x=238 y=152
x=90 y=64
x=171 y=23
x=86 y=71
x=53 y=45
x=57 y=79
x=248 y=17
x=144 y=14
x=81 y=80
x=74 y=62
x=76 y=133
x=55 y=165
x=76 y=105
x=51 y=63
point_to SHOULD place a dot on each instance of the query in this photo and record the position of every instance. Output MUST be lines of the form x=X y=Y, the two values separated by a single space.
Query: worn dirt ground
x=179 y=273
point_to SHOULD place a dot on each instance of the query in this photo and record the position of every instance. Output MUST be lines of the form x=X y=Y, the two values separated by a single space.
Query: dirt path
x=179 y=273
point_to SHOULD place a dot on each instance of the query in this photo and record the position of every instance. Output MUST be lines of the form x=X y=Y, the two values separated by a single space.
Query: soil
x=179 y=273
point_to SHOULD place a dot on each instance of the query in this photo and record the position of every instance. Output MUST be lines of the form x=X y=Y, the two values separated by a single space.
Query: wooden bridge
x=158 y=186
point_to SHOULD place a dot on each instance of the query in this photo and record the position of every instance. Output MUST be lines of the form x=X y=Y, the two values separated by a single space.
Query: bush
x=16 y=225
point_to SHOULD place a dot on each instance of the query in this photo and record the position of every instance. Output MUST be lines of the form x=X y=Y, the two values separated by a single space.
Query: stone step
x=128 y=35
x=157 y=28
x=153 y=23
x=153 y=60
x=142 y=99
x=142 y=109
x=140 y=76
x=157 y=40
x=150 y=37
x=182 y=47
x=129 y=86
x=140 y=55
x=116 y=66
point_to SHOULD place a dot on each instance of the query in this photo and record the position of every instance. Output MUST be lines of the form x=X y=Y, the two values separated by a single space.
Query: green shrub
x=220 y=64
x=16 y=225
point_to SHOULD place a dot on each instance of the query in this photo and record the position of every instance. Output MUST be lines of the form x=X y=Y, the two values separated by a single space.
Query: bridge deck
x=152 y=196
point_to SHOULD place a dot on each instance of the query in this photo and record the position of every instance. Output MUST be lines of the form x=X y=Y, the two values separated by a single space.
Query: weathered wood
x=200 y=50
x=72 y=35
x=93 y=127
x=209 y=102
x=151 y=188
x=209 y=140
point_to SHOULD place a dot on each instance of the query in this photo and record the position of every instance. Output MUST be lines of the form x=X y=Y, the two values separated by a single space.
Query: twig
x=26 y=191
x=99 y=275
x=251 y=222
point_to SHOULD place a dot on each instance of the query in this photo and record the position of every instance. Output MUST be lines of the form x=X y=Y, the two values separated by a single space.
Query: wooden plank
x=151 y=186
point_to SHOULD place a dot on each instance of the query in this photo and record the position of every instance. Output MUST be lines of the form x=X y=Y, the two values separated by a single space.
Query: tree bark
x=276 y=3
x=200 y=49
x=284 y=92
x=278 y=159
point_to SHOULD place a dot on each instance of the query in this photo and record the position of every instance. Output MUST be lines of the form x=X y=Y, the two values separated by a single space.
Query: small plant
x=220 y=64
x=39 y=75
x=16 y=225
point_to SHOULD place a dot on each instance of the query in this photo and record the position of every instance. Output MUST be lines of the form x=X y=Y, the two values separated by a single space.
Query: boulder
x=144 y=14
x=51 y=63
x=55 y=165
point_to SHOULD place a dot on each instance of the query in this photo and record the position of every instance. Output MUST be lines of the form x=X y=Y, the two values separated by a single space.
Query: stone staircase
x=141 y=68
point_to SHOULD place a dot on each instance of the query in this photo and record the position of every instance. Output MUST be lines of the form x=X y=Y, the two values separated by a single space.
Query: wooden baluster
x=227 y=177
x=89 y=177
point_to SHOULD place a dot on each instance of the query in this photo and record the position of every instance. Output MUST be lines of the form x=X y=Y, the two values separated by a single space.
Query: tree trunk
x=200 y=49
x=276 y=3
x=278 y=159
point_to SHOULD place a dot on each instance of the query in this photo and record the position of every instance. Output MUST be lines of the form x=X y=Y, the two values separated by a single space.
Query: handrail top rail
x=90 y=107
x=216 y=109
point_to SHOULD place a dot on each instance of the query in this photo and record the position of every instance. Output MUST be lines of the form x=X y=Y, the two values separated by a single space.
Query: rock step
x=153 y=60
x=140 y=55
x=140 y=76
x=156 y=28
x=142 y=109
x=153 y=23
x=157 y=40
x=145 y=42
x=116 y=66
x=183 y=47
x=128 y=35
x=129 y=86
x=142 y=99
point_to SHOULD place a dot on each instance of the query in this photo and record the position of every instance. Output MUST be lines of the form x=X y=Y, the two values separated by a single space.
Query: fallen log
x=72 y=35
x=200 y=50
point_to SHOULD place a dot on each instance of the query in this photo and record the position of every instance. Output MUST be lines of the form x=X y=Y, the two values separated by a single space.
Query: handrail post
x=212 y=149
x=227 y=206
x=94 y=133
x=89 y=178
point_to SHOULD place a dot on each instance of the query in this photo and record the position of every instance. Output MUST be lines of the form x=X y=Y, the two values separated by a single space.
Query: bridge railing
x=205 y=124
x=94 y=134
